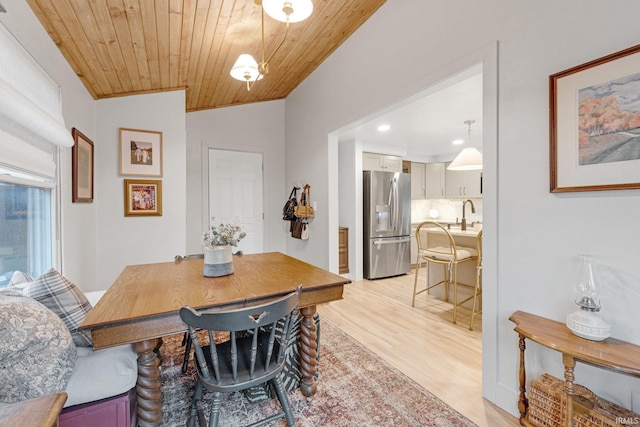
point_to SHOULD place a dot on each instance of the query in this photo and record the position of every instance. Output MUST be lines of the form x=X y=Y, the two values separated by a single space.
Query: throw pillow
x=63 y=298
x=19 y=280
x=37 y=354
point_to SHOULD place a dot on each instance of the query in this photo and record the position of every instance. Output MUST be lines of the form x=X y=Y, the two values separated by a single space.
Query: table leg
x=148 y=385
x=308 y=352
x=569 y=378
x=523 y=402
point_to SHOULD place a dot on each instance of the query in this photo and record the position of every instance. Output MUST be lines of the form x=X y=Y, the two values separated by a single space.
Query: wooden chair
x=436 y=246
x=254 y=353
x=186 y=339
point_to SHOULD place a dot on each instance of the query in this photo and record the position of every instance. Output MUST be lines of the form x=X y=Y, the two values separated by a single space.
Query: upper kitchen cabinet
x=435 y=180
x=418 y=188
x=381 y=162
x=463 y=184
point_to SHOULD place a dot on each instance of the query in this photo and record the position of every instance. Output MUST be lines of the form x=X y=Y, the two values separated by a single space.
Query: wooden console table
x=611 y=354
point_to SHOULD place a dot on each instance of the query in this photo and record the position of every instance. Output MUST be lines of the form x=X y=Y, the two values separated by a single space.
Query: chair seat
x=442 y=253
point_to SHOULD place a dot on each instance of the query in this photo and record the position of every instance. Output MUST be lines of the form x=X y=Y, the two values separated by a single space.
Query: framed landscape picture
x=82 y=168
x=594 y=124
x=140 y=152
x=142 y=197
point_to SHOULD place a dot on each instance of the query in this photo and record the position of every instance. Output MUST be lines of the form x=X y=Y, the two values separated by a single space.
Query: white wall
x=350 y=202
x=139 y=240
x=255 y=128
x=410 y=45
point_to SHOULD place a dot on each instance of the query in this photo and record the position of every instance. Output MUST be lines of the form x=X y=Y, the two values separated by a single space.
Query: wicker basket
x=548 y=406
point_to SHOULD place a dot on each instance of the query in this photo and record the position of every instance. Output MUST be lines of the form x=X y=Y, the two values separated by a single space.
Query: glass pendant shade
x=288 y=10
x=587 y=292
x=469 y=158
x=246 y=69
x=586 y=322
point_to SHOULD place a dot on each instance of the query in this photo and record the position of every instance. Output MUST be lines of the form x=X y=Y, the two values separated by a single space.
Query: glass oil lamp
x=586 y=322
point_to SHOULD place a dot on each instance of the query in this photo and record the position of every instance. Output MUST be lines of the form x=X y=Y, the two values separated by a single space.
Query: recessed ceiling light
x=383 y=128
x=457 y=141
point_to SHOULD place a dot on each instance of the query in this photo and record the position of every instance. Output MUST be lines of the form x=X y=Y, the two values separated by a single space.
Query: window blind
x=30 y=106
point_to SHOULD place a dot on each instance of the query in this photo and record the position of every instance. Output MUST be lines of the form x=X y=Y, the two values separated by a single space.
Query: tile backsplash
x=448 y=210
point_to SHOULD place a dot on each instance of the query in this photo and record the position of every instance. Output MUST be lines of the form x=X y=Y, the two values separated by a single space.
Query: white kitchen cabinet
x=463 y=184
x=418 y=190
x=381 y=162
x=435 y=180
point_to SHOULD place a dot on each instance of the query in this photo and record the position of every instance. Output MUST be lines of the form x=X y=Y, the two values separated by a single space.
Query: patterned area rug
x=355 y=388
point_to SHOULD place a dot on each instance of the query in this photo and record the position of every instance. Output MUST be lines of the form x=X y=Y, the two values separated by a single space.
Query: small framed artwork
x=81 y=168
x=594 y=124
x=140 y=152
x=142 y=197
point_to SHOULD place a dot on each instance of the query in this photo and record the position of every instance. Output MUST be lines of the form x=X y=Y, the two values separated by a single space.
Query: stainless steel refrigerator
x=387 y=223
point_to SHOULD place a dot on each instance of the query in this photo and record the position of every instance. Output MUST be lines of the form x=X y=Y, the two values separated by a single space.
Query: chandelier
x=246 y=68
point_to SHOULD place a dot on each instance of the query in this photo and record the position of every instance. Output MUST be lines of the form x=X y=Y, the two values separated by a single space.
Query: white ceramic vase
x=218 y=261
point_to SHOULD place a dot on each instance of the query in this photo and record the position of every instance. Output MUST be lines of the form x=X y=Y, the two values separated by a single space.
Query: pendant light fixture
x=288 y=10
x=246 y=68
x=470 y=158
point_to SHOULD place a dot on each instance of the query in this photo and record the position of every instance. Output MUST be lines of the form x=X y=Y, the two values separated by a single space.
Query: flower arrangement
x=223 y=234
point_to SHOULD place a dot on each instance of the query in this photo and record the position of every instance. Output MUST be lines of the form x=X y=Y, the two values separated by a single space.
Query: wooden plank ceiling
x=126 y=47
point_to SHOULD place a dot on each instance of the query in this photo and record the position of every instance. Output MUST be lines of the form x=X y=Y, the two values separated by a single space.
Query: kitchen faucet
x=464 y=219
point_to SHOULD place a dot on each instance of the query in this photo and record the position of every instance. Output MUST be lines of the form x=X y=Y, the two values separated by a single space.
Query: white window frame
x=23 y=176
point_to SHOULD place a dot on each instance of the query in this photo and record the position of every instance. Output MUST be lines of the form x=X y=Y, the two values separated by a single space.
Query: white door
x=235 y=192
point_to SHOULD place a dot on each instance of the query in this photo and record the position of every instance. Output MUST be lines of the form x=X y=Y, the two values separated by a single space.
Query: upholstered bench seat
x=43 y=350
x=101 y=383
x=99 y=374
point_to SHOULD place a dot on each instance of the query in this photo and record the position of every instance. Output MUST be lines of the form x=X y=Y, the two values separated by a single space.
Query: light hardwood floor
x=420 y=341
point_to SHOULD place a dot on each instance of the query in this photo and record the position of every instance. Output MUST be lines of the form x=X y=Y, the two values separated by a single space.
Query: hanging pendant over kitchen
x=470 y=158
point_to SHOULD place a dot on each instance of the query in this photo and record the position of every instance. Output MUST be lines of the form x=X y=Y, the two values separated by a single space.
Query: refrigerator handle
x=394 y=202
x=387 y=241
x=391 y=206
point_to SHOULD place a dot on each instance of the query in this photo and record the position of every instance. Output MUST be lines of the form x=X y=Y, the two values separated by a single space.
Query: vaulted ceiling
x=127 y=47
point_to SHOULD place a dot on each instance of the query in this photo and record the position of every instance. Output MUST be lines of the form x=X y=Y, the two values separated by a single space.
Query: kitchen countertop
x=469 y=232
x=455 y=229
x=439 y=221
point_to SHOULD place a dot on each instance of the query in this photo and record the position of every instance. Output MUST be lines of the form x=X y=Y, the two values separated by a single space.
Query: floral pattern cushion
x=63 y=298
x=37 y=353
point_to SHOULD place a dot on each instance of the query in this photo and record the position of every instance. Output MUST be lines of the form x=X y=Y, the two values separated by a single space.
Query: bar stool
x=478 y=289
x=436 y=245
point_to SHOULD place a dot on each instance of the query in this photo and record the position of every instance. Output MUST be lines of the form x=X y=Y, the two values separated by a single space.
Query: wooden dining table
x=143 y=305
